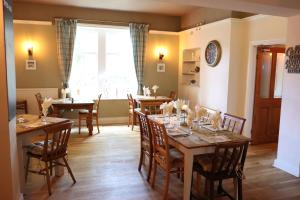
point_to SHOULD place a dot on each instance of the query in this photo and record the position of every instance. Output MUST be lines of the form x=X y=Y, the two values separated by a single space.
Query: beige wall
x=47 y=74
x=40 y=12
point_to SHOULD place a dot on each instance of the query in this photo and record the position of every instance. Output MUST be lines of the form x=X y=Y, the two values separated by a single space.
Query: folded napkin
x=46 y=104
x=167 y=108
x=216 y=120
x=200 y=112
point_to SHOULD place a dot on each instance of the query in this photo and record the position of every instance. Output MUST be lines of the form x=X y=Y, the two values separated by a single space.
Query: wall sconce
x=161 y=53
x=30 y=63
x=30 y=52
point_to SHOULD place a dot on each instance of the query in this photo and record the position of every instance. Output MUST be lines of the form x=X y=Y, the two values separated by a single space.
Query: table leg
x=89 y=121
x=188 y=172
x=142 y=107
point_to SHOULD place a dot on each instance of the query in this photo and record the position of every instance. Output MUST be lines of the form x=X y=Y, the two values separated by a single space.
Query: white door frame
x=250 y=85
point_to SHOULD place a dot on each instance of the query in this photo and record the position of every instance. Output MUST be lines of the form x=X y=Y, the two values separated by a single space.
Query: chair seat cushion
x=204 y=161
x=82 y=111
x=37 y=148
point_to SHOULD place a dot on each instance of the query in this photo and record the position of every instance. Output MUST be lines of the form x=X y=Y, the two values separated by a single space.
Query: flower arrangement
x=45 y=106
x=200 y=113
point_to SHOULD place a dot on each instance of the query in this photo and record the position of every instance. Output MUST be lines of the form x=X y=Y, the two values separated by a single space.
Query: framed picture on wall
x=161 y=67
x=30 y=64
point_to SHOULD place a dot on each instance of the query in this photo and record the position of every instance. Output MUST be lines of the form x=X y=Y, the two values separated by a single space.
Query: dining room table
x=150 y=101
x=70 y=103
x=28 y=127
x=194 y=140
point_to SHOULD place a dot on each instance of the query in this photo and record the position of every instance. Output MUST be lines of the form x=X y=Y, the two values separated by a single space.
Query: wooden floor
x=105 y=166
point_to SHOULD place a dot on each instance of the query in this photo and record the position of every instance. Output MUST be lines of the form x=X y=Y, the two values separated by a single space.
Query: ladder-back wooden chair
x=131 y=113
x=83 y=114
x=39 y=100
x=233 y=123
x=169 y=159
x=146 y=141
x=173 y=95
x=53 y=148
x=227 y=162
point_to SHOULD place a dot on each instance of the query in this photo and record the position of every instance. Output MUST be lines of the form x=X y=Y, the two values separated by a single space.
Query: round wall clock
x=213 y=53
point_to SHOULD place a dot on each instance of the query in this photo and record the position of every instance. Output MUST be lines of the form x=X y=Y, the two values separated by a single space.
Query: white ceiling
x=181 y=7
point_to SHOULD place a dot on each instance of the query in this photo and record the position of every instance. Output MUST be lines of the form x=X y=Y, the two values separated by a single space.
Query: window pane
x=279 y=75
x=265 y=74
x=102 y=63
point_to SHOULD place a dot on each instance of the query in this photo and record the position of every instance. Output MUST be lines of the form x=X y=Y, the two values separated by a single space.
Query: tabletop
x=69 y=101
x=28 y=123
x=151 y=98
x=200 y=137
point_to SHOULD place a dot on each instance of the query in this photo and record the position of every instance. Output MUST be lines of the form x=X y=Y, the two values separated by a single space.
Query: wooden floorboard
x=105 y=166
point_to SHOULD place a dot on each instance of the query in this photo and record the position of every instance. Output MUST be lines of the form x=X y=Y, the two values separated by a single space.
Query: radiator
x=28 y=94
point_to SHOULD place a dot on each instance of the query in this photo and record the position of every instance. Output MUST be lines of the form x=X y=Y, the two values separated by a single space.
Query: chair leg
x=48 y=178
x=198 y=182
x=51 y=166
x=69 y=169
x=141 y=159
x=79 y=124
x=128 y=120
x=166 y=189
x=97 y=123
x=154 y=174
x=211 y=190
x=220 y=187
x=150 y=166
x=240 y=188
x=27 y=168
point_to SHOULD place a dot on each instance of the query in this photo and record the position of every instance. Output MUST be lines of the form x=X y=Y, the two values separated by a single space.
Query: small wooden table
x=148 y=101
x=196 y=143
x=32 y=126
x=68 y=104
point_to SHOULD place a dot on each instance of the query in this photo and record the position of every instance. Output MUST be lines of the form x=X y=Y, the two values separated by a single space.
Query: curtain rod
x=95 y=21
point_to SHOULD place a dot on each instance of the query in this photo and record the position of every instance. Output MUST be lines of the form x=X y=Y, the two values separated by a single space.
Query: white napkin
x=46 y=104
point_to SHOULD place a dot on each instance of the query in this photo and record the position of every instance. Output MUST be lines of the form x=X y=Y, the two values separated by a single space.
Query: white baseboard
x=105 y=121
x=287 y=167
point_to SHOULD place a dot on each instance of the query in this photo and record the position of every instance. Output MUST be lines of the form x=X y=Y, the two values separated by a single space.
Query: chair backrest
x=130 y=102
x=145 y=129
x=160 y=143
x=39 y=100
x=233 y=123
x=97 y=103
x=228 y=158
x=173 y=95
x=56 y=140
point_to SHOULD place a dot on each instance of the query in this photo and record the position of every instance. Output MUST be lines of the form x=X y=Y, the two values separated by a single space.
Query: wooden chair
x=173 y=95
x=21 y=105
x=227 y=162
x=146 y=141
x=169 y=159
x=54 y=147
x=39 y=100
x=233 y=123
x=83 y=114
x=131 y=113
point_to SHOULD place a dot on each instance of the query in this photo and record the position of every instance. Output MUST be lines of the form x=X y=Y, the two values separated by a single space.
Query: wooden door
x=267 y=97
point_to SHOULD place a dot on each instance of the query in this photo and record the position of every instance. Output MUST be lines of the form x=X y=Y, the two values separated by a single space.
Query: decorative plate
x=213 y=53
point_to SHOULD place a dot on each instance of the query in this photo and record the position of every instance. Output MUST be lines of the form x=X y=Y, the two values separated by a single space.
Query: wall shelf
x=191 y=61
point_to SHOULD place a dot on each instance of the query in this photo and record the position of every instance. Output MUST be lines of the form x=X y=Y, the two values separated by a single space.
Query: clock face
x=213 y=53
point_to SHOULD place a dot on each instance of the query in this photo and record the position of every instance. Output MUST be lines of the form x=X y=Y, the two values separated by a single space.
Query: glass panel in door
x=265 y=77
x=279 y=75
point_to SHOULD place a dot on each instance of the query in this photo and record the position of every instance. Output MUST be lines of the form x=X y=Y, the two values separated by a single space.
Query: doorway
x=267 y=95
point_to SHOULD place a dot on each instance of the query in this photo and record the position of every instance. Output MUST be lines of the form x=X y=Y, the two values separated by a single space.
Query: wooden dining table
x=149 y=101
x=68 y=104
x=27 y=127
x=195 y=142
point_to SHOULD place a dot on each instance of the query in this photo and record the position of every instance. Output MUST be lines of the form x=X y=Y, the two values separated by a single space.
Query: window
x=102 y=63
